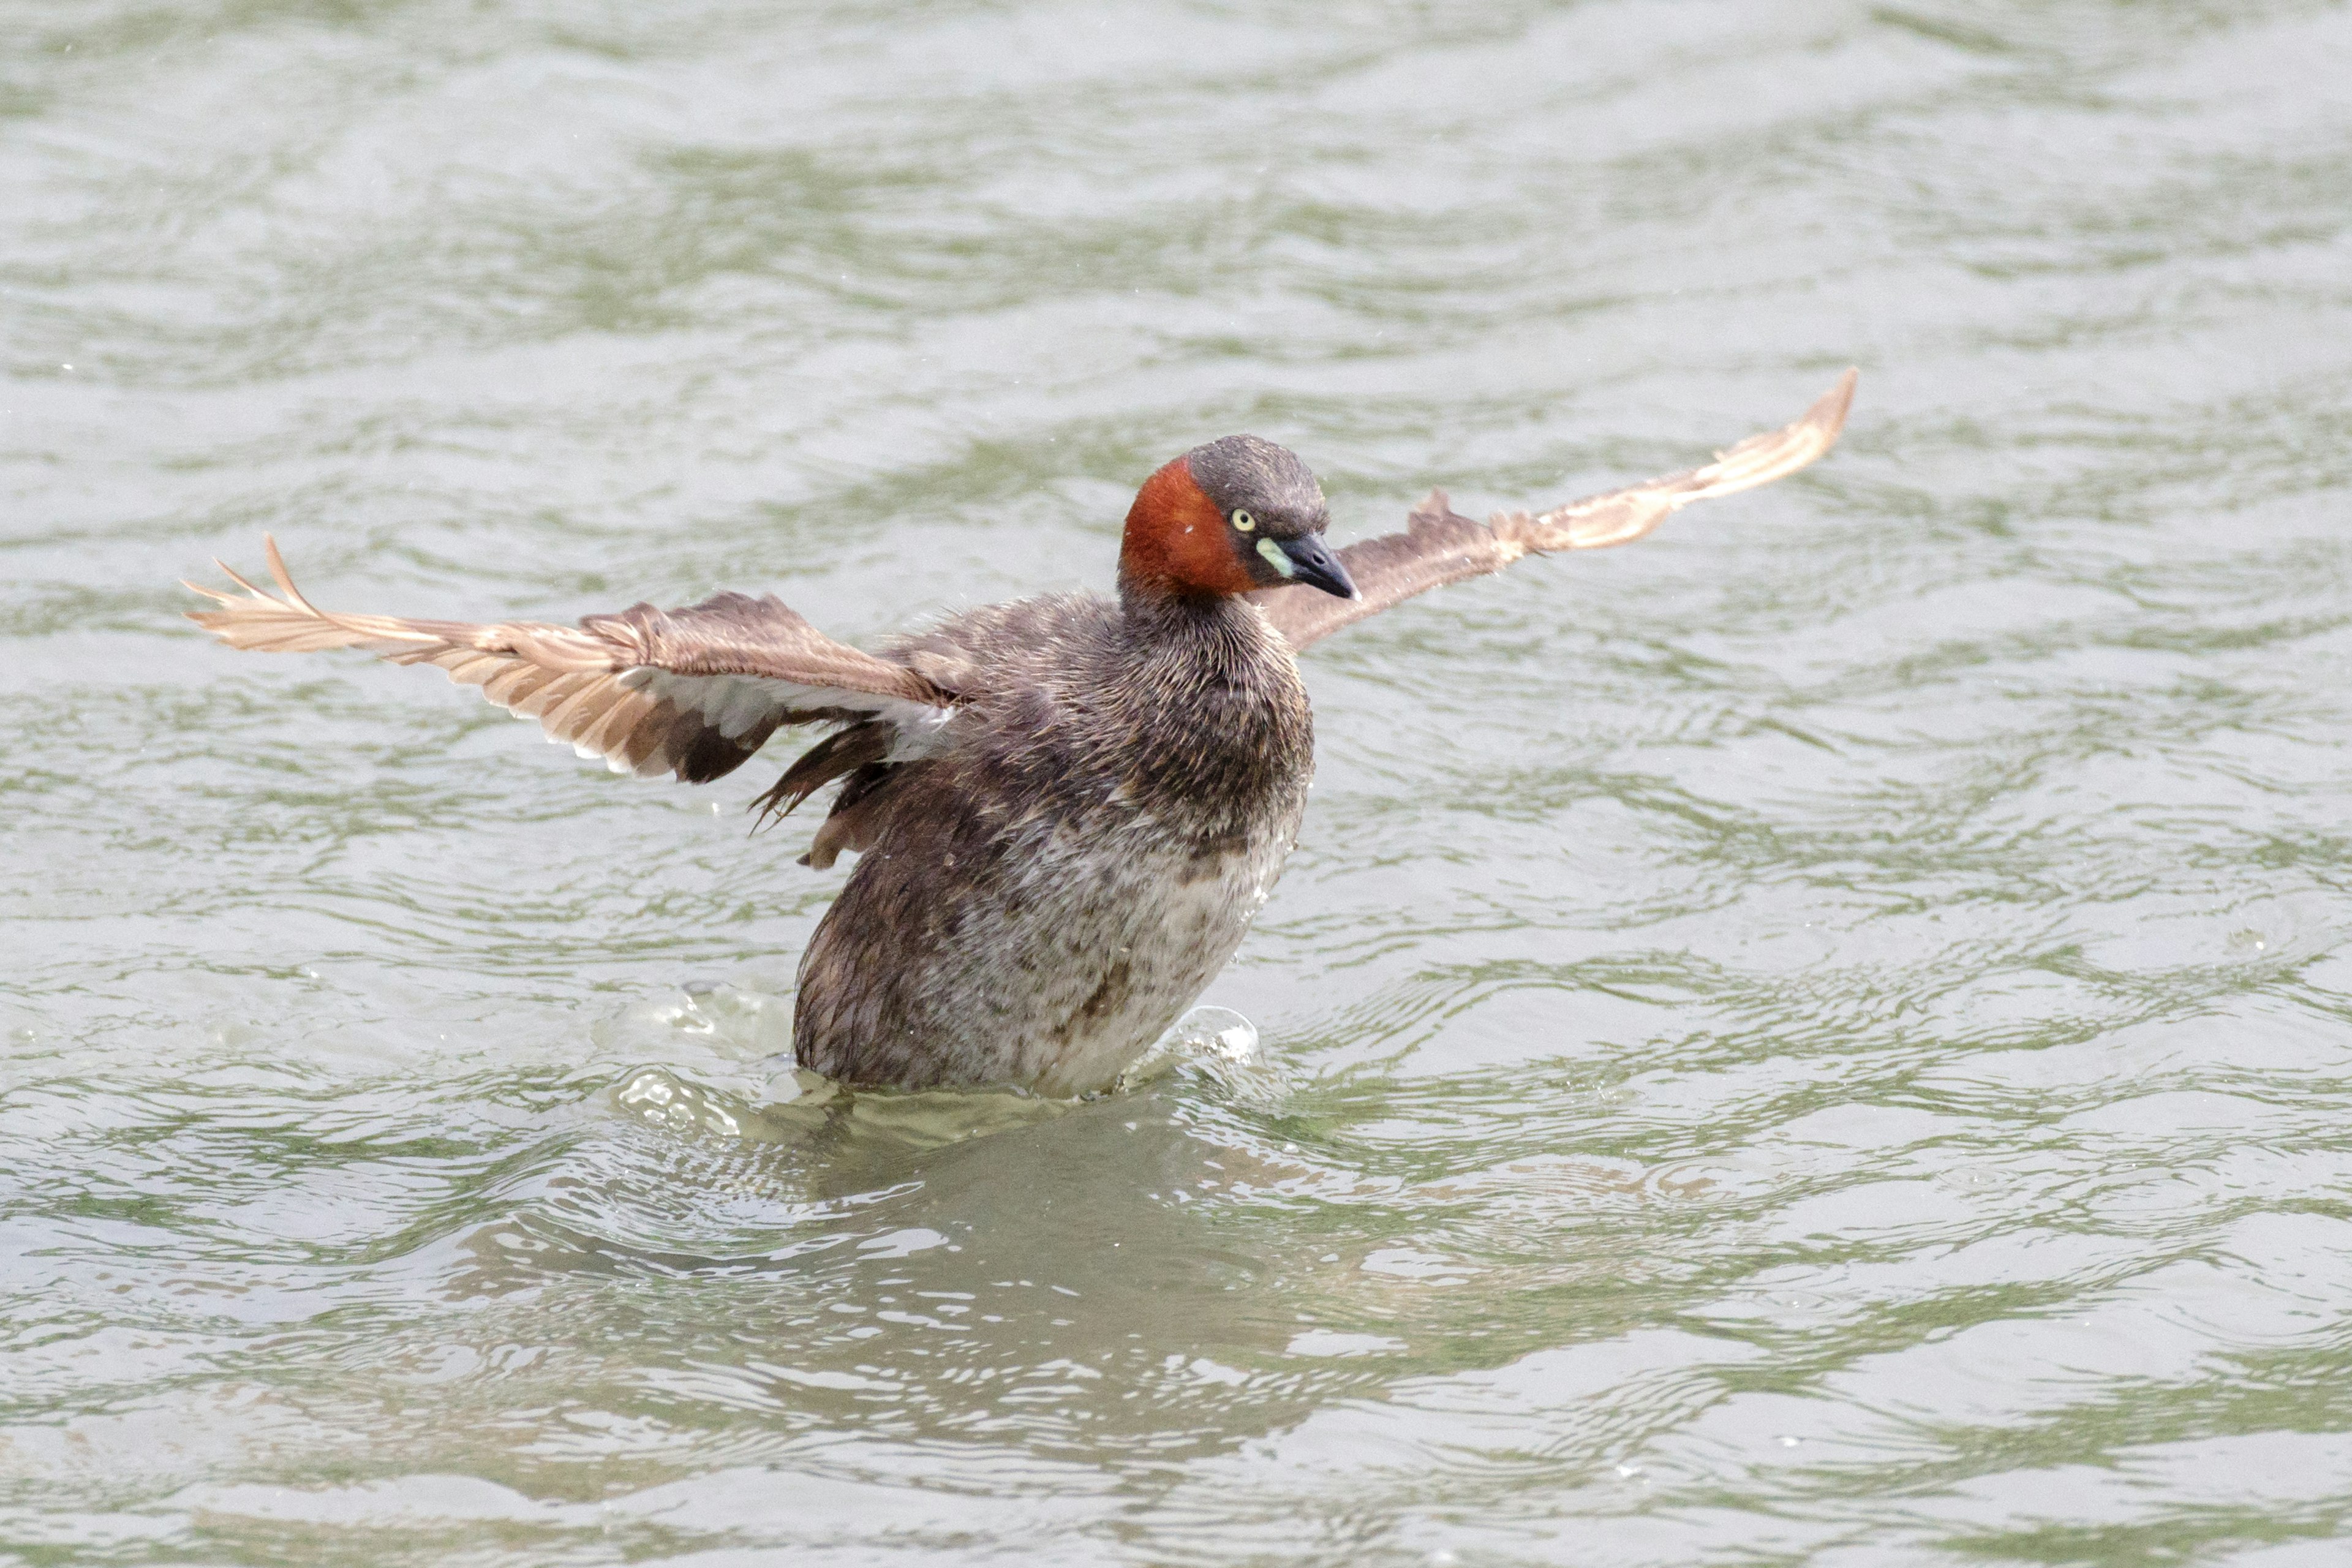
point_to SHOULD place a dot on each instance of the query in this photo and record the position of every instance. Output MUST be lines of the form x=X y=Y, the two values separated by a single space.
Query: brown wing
x=693 y=692
x=1440 y=546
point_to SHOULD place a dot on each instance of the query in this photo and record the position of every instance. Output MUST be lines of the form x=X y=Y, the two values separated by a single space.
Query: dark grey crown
x=1266 y=480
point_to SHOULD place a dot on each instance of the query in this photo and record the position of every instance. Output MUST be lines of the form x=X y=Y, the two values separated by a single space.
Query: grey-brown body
x=1039 y=901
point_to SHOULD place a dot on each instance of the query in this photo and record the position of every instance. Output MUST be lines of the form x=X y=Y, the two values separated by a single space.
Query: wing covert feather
x=1440 y=546
x=691 y=693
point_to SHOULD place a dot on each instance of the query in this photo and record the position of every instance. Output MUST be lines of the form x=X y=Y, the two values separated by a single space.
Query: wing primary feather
x=285 y=579
x=1440 y=546
x=692 y=692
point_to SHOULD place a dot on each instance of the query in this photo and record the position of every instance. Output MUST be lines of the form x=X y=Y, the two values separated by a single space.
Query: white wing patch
x=924 y=733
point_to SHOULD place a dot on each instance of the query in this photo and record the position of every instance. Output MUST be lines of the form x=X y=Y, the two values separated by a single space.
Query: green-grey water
x=1821 y=1037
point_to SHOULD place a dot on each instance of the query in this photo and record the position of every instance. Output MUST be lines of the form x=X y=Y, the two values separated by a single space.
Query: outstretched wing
x=691 y=693
x=1440 y=546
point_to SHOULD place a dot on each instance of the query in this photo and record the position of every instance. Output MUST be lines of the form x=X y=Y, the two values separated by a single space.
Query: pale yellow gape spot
x=1275 y=558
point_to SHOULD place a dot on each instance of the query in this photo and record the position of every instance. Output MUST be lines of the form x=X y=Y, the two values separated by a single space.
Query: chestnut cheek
x=1179 y=542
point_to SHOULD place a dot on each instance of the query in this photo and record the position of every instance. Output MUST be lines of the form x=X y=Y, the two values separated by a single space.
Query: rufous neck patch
x=1176 y=539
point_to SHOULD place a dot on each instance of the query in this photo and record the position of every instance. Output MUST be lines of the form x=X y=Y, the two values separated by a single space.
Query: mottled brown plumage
x=1068 y=808
x=1037 y=904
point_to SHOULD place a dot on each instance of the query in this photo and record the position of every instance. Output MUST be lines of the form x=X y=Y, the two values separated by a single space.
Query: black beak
x=1316 y=567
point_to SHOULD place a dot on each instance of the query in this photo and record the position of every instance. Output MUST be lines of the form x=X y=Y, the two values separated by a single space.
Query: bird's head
x=1224 y=518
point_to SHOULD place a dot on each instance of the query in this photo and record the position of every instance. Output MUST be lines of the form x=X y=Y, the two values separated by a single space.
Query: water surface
x=1823 y=1036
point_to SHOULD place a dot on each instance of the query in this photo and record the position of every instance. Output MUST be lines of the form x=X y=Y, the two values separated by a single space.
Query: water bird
x=1068 y=808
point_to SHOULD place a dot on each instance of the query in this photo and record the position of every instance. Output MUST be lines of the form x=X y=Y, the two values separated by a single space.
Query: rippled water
x=1825 y=1036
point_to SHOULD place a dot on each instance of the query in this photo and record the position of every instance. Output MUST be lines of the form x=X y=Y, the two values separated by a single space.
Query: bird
x=1066 y=809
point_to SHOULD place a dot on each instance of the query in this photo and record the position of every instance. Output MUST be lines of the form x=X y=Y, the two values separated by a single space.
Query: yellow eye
x=1245 y=521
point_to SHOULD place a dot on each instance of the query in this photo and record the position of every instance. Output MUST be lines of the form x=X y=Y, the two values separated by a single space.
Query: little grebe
x=1068 y=808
